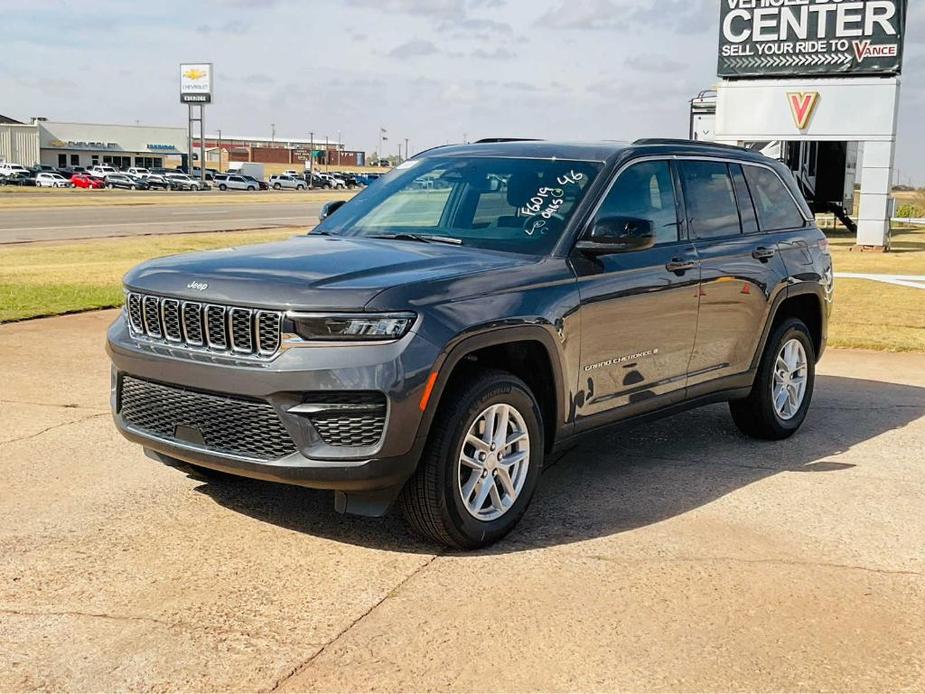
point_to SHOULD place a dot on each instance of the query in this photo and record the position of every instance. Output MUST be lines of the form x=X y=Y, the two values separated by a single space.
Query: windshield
x=506 y=204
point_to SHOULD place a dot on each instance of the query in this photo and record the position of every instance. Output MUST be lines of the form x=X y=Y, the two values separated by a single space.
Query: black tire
x=755 y=415
x=251 y=189
x=430 y=501
x=224 y=187
x=276 y=186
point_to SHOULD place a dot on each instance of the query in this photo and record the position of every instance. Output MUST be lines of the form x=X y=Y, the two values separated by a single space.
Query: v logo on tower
x=802 y=105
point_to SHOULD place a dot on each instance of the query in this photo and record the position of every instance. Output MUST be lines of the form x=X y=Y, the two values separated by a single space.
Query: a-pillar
x=875 y=211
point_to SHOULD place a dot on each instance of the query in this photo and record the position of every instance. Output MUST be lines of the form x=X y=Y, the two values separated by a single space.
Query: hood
x=311 y=272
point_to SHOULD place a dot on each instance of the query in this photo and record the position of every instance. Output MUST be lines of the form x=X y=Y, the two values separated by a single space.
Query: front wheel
x=783 y=388
x=224 y=187
x=481 y=463
x=277 y=186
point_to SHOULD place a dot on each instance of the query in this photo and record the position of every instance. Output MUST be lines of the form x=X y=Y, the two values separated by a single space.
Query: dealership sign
x=792 y=38
x=196 y=83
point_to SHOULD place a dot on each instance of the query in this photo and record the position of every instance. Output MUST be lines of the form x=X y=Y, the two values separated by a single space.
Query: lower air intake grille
x=227 y=425
x=348 y=419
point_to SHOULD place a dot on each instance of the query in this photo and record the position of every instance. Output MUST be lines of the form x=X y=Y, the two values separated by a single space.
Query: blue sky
x=430 y=70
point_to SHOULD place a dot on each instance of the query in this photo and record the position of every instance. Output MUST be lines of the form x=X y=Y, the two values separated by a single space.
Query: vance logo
x=863 y=49
x=802 y=106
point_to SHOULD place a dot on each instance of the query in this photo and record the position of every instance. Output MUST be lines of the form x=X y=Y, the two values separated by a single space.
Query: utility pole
x=407 y=151
x=221 y=163
x=340 y=146
x=327 y=154
x=272 y=132
x=311 y=160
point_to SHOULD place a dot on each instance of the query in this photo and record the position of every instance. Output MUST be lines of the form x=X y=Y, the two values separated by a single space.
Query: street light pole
x=327 y=154
x=221 y=163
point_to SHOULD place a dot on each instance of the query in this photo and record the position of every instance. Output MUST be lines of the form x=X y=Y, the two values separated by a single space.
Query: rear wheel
x=783 y=389
x=481 y=463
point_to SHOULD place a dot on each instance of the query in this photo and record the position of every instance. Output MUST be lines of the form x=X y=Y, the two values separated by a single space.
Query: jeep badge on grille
x=198 y=286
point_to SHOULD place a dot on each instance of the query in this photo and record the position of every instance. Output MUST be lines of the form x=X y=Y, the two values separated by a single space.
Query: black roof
x=6 y=120
x=602 y=151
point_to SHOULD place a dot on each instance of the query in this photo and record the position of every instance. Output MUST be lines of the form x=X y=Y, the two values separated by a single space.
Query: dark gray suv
x=440 y=334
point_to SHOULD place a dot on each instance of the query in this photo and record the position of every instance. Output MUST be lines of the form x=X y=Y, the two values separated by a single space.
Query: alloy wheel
x=493 y=462
x=788 y=385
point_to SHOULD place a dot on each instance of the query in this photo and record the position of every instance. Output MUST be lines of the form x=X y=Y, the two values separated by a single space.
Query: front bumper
x=398 y=370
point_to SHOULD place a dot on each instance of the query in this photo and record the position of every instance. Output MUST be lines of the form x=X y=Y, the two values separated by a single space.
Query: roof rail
x=692 y=143
x=493 y=140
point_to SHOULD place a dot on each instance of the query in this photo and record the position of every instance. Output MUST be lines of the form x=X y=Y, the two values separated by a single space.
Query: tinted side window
x=773 y=203
x=645 y=191
x=744 y=198
x=710 y=199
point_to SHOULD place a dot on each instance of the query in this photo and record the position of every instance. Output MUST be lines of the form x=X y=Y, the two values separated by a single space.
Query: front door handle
x=679 y=266
x=763 y=254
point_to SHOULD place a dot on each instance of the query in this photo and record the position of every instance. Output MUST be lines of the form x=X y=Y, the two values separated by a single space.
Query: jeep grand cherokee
x=436 y=337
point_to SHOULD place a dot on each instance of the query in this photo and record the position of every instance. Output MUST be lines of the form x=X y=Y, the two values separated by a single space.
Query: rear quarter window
x=773 y=202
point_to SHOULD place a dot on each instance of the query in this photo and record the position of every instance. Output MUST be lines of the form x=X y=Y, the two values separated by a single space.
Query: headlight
x=351 y=327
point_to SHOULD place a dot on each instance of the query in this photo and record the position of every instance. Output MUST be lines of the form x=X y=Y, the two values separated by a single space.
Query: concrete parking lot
x=676 y=555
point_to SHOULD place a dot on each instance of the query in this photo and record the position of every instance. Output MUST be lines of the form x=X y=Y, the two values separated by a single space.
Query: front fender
x=489 y=336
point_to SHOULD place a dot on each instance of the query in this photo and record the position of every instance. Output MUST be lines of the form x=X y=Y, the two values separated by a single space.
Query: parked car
x=291 y=182
x=102 y=170
x=7 y=169
x=20 y=178
x=235 y=182
x=157 y=181
x=138 y=171
x=47 y=179
x=121 y=180
x=261 y=185
x=180 y=181
x=365 y=179
x=349 y=179
x=69 y=171
x=80 y=180
x=317 y=181
x=335 y=182
x=437 y=365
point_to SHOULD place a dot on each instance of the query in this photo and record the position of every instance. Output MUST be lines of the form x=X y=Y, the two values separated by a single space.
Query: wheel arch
x=804 y=301
x=528 y=352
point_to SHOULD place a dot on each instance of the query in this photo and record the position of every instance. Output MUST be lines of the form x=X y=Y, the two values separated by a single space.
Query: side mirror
x=618 y=235
x=330 y=208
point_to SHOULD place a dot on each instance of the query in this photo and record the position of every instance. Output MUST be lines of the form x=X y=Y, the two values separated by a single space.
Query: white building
x=86 y=144
x=19 y=142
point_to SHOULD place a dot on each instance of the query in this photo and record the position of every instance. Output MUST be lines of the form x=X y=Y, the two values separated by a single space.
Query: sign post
x=196 y=90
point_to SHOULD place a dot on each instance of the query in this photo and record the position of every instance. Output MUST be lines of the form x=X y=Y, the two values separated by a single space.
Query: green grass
x=49 y=279
x=53 y=278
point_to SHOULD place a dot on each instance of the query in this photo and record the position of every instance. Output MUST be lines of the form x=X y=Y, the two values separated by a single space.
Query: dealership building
x=65 y=144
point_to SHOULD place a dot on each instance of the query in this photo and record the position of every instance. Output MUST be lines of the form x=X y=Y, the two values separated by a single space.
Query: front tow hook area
x=374 y=504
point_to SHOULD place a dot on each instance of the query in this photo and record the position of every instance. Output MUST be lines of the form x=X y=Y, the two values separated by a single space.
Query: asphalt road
x=672 y=556
x=63 y=223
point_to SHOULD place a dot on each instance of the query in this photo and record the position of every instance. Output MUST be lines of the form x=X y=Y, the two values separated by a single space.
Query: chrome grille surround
x=233 y=331
x=170 y=316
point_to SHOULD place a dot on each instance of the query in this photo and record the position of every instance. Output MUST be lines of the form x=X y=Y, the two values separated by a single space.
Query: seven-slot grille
x=214 y=327
x=220 y=423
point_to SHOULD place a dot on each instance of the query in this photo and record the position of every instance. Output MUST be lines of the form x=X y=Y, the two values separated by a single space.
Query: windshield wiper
x=405 y=236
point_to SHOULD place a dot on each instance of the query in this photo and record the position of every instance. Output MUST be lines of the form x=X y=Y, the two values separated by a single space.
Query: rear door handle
x=763 y=254
x=679 y=266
